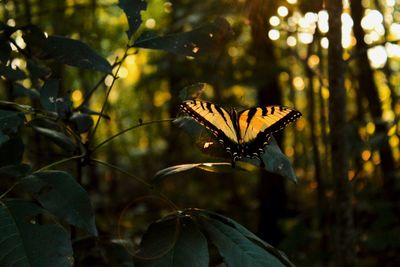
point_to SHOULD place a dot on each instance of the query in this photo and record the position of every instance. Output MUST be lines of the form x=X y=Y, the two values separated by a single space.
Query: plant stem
x=59 y=162
x=127 y=130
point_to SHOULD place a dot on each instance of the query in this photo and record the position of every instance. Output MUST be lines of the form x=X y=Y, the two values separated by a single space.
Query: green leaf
x=74 y=53
x=208 y=39
x=37 y=70
x=15 y=171
x=82 y=122
x=3 y=138
x=12 y=74
x=174 y=242
x=232 y=223
x=10 y=121
x=59 y=138
x=277 y=162
x=25 y=243
x=235 y=248
x=11 y=152
x=59 y=193
x=19 y=90
x=48 y=95
x=206 y=166
x=132 y=11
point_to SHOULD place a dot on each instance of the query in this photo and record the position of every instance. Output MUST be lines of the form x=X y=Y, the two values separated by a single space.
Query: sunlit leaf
x=173 y=242
x=208 y=39
x=59 y=193
x=132 y=11
x=26 y=243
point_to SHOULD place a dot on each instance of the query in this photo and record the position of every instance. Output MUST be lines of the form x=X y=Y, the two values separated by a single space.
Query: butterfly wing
x=256 y=126
x=215 y=119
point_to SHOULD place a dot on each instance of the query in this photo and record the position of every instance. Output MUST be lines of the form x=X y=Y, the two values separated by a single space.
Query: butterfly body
x=245 y=133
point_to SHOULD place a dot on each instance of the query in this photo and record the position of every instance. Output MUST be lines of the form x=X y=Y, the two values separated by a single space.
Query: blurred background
x=277 y=54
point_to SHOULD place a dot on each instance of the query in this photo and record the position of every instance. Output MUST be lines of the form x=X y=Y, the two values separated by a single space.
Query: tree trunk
x=272 y=194
x=344 y=246
x=369 y=90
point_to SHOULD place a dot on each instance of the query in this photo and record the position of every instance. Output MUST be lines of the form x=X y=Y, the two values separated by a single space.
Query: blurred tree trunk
x=272 y=194
x=344 y=245
x=369 y=90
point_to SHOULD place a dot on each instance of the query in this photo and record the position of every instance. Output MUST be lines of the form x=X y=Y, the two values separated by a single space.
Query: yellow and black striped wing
x=214 y=118
x=257 y=124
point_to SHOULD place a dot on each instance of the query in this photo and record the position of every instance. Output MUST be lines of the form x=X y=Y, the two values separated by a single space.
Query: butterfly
x=245 y=133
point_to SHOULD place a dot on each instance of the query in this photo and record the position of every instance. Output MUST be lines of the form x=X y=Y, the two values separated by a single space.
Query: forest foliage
x=98 y=166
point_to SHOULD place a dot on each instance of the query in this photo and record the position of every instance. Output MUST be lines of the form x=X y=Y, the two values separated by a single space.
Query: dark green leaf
x=117 y=255
x=75 y=53
x=59 y=138
x=228 y=221
x=3 y=138
x=37 y=70
x=235 y=248
x=11 y=152
x=25 y=243
x=82 y=122
x=19 y=90
x=5 y=49
x=173 y=242
x=10 y=121
x=208 y=39
x=12 y=74
x=48 y=95
x=132 y=11
x=15 y=171
x=6 y=105
x=59 y=193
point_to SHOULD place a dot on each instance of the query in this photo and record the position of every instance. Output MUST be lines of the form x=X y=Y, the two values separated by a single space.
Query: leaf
x=10 y=121
x=232 y=223
x=74 y=53
x=132 y=11
x=37 y=70
x=3 y=138
x=23 y=243
x=174 y=242
x=11 y=152
x=59 y=193
x=19 y=90
x=277 y=162
x=234 y=247
x=48 y=95
x=206 y=166
x=6 y=105
x=59 y=138
x=192 y=91
x=15 y=171
x=12 y=74
x=208 y=39
x=82 y=122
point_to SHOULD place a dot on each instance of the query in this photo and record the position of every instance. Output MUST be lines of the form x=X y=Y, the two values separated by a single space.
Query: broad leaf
x=25 y=243
x=208 y=39
x=11 y=152
x=235 y=248
x=59 y=138
x=38 y=70
x=132 y=11
x=75 y=53
x=59 y=193
x=240 y=228
x=173 y=242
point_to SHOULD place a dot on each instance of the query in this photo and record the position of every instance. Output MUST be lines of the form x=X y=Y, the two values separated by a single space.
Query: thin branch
x=59 y=162
x=127 y=130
